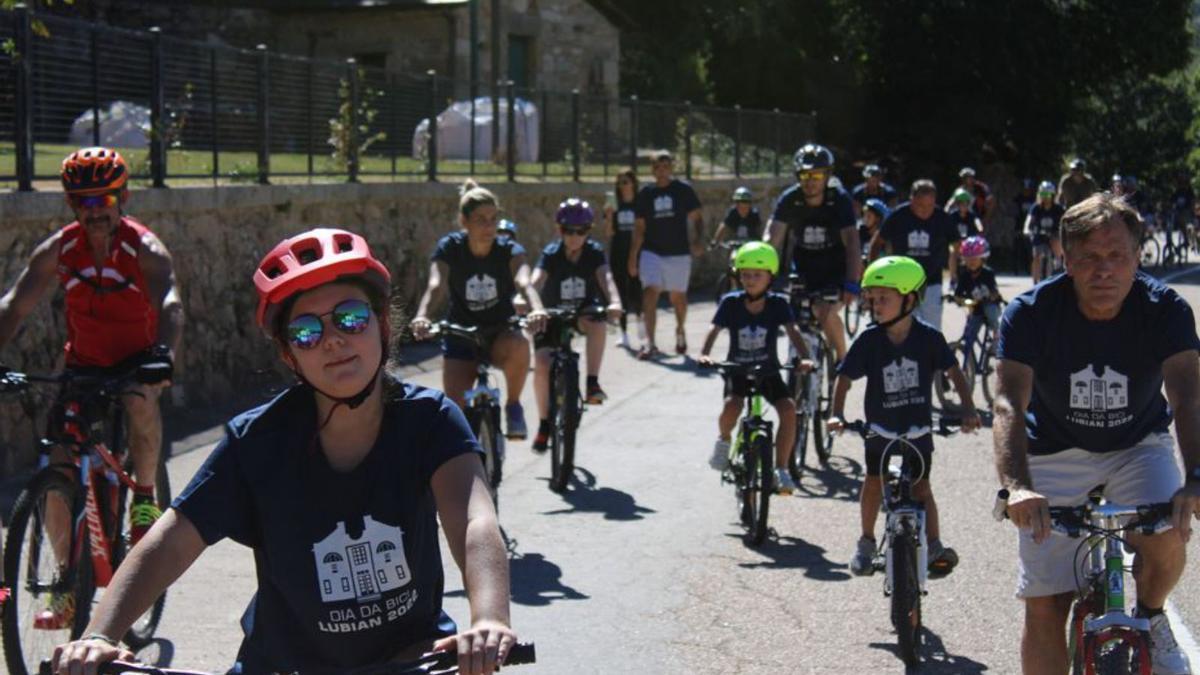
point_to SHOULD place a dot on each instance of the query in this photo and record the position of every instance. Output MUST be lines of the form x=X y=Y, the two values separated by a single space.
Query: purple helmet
x=975 y=247
x=575 y=212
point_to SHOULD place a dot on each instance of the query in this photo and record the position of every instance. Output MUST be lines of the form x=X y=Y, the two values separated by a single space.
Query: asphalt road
x=641 y=567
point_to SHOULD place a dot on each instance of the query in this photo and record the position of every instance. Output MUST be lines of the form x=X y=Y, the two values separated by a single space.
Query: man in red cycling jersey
x=122 y=310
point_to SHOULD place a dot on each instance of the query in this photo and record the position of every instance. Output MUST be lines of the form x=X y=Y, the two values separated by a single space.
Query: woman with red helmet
x=481 y=273
x=572 y=273
x=348 y=460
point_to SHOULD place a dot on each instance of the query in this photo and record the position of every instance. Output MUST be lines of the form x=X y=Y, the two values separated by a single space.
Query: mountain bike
x=751 y=467
x=728 y=280
x=90 y=494
x=1103 y=639
x=482 y=403
x=813 y=391
x=903 y=554
x=566 y=403
x=1150 y=251
x=978 y=362
x=434 y=663
x=1175 y=244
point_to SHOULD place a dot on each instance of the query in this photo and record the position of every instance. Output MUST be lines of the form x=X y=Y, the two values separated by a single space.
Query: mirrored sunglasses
x=813 y=175
x=103 y=201
x=349 y=317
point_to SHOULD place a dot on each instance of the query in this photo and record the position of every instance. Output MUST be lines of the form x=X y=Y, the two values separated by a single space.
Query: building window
x=520 y=60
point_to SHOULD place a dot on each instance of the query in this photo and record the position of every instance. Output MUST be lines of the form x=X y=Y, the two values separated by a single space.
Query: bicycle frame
x=904 y=514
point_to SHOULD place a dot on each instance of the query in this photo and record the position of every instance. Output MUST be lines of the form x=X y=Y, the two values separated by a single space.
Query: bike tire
x=852 y=316
x=487 y=432
x=141 y=633
x=557 y=483
x=947 y=395
x=1151 y=252
x=759 y=465
x=1117 y=651
x=27 y=549
x=798 y=385
x=566 y=421
x=747 y=485
x=822 y=439
x=989 y=378
x=724 y=285
x=906 y=598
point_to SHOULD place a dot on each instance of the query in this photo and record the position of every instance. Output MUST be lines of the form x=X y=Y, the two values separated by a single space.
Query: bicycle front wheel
x=799 y=387
x=989 y=380
x=822 y=439
x=487 y=432
x=1151 y=252
x=566 y=421
x=1117 y=651
x=142 y=631
x=758 y=487
x=906 y=597
x=852 y=315
x=51 y=579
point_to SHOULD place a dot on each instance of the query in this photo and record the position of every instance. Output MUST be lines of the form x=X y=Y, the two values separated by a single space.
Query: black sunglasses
x=350 y=317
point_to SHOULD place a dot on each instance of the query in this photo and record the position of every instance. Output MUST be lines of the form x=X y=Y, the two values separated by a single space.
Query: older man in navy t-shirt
x=1084 y=358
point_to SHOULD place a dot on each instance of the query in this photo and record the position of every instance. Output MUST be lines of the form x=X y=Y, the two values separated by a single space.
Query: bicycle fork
x=900 y=523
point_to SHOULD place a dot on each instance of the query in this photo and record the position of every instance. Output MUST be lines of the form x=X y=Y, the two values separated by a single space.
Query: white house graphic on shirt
x=361 y=569
x=918 y=241
x=814 y=236
x=752 y=342
x=1092 y=391
x=481 y=289
x=572 y=290
x=900 y=376
x=664 y=206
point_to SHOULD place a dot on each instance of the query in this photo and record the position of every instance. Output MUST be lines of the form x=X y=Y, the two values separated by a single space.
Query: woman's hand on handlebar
x=835 y=424
x=421 y=327
x=614 y=312
x=85 y=655
x=481 y=648
x=705 y=361
x=536 y=320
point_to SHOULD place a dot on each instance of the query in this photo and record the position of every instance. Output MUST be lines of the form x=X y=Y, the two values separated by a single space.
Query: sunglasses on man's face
x=813 y=175
x=104 y=201
x=577 y=231
x=349 y=317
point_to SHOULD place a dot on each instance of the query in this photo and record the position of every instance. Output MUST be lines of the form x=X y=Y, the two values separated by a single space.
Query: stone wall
x=217 y=235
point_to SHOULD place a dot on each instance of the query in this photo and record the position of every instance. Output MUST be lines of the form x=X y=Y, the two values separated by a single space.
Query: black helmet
x=812 y=156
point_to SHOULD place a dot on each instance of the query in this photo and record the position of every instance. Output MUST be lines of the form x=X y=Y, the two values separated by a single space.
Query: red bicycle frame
x=98 y=476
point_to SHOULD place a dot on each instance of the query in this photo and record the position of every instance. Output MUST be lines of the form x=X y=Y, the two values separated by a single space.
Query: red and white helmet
x=310 y=259
x=975 y=247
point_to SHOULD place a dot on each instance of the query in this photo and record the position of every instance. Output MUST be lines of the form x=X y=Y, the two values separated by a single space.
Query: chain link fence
x=185 y=111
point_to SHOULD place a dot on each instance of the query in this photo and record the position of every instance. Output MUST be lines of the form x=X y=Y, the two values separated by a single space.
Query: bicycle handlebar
x=467 y=332
x=749 y=369
x=568 y=314
x=436 y=662
x=1073 y=521
x=14 y=382
x=728 y=244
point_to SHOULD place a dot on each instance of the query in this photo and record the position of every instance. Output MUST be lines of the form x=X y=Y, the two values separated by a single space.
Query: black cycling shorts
x=773 y=388
x=462 y=349
x=877 y=444
x=550 y=337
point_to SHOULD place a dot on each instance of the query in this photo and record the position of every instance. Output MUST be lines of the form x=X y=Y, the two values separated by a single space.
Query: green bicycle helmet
x=896 y=272
x=756 y=255
x=961 y=195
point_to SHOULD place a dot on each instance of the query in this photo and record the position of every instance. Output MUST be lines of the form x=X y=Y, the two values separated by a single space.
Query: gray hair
x=1097 y=211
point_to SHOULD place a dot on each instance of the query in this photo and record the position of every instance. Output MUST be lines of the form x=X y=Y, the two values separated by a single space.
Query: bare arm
x=878 y=243
x=635 y=247
x=853 y=246
x=840 y=388
x=520 y=272
x=1026 y=508
x=696 y=218
x=31 y=286
x=159 y=271
x=609 y=285
x=610 y=222
x=709 y=339
x=1181 y=379
x=798 y=341
x=538 y=280
x=719 y=235
x=439 y=272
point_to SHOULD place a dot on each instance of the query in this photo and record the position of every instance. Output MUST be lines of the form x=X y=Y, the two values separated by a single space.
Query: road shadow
x=673 y=362
x=784 y=552
x=839 y=480
x=934 y=658
x=534 y=580
x=159 y=653
x=583 y=496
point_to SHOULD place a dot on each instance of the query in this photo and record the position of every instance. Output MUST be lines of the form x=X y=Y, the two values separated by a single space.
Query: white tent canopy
x=455 y=130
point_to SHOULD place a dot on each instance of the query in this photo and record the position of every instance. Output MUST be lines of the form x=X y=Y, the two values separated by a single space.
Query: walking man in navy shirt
x=1084 y=360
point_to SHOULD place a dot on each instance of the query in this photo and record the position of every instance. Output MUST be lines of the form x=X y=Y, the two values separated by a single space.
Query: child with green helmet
x=964 y=216
x=899 y=357
x=753 y=317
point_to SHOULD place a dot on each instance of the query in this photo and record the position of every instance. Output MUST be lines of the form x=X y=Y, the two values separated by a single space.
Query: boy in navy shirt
x=753 y=316
x=898 y=356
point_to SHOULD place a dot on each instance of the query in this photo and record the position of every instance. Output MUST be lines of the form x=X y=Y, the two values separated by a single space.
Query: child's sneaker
x=863 y=562
x=720 y=455
x=942 y=560
x=784 y=485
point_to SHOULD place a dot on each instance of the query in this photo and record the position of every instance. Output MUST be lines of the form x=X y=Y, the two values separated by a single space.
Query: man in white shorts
x=1083 y=363
x=661 y=253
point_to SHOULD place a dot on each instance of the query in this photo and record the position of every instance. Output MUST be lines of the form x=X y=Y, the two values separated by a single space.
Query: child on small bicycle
x=977 y=283
x=753 y=317
x=899 y=356
x=1041 y=227
x=572 y=273
x=873 y=214
x=742 y=222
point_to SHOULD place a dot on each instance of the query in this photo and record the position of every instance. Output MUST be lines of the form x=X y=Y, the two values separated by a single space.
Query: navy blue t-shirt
x=752 y=336
x=1043 y=222
x=1097 y=385
x=886 y=193
x=815 y=232
x=665 y=211
x=967 y=223
x=978 y=287
x=925 y=241
x=481 y=289
x=348 y=563
x=743 y=229
x=899 y=377
x=570 y=285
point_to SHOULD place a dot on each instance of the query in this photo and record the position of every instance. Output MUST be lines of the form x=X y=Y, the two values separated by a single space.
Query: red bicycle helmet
x=93 y=171
x=311 y=259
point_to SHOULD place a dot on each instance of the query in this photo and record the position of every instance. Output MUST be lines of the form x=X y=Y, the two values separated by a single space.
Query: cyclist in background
x=348 y=458
x=742 y=222
x=899 y=356
x=977 y=281
x=506 y=230
x=983 y=201
x=873 y=215
x=963 y=214
x=872 y=187
x=122 y=309
x=620 y=214
x=572 y=273
x=815 y=223
x=1041 y=228
x=753 y=317
x=482 y=273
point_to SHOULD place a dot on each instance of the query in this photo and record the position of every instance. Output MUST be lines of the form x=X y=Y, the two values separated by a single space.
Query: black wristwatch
x=1193 y=476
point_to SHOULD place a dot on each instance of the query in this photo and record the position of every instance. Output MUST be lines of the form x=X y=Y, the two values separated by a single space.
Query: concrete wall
x=217 y=235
